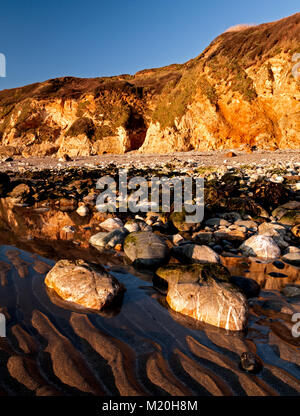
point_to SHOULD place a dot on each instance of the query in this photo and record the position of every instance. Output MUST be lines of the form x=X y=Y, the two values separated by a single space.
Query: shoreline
x=205 y=159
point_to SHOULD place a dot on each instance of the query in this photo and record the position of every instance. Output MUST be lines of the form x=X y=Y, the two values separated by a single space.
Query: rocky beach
x=149 y=222
x=144 y=303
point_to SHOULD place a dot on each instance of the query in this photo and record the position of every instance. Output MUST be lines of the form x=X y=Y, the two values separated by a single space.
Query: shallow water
x=141 y=347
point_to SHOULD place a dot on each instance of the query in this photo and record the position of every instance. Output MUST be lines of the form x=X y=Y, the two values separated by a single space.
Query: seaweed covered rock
x=88 y=285
x=145 y=249
x=174 y=273
x=269 y=193
x=288 y=214
x=245 y=206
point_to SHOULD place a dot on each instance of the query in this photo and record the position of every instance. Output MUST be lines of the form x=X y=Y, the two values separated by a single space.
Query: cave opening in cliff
x=137 y=130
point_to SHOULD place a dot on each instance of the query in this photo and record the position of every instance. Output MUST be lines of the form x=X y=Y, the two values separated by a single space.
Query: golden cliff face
x=242 y=91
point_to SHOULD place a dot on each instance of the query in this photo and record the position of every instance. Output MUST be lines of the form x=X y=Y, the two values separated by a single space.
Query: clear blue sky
x=46 y=39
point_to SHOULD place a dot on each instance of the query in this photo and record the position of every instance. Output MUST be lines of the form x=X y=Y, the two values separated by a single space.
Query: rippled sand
x=140 y=347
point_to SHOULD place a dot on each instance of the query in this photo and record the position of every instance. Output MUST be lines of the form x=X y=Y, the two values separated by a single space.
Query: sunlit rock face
x=241 y=91
x=205 y=292
x=218 y=304
x=82 y=283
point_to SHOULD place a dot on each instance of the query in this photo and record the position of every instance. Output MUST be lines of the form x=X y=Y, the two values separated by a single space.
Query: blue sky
x=46 y=39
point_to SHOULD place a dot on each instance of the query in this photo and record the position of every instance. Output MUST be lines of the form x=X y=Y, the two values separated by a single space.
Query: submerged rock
x=250 y=362
x=85 y=284
x=261 y=246
x=288 y=214
x=248 y=286
x=146 y=249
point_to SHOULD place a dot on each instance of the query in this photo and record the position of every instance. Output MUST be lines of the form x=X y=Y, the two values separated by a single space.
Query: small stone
x=111 y=224
x=250 y=362
x=83 y=211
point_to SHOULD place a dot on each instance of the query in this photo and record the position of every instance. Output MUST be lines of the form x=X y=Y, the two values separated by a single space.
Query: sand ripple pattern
x=143 y=348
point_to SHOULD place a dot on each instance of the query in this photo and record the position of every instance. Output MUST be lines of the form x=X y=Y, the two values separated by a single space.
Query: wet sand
x=141 y=347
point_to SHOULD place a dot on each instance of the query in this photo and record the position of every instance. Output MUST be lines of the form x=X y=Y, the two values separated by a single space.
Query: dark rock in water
x=66 y=158
x=274 y=274
x=248 y=286
x=146 y=249
x=250 y=362
x=278 y=264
